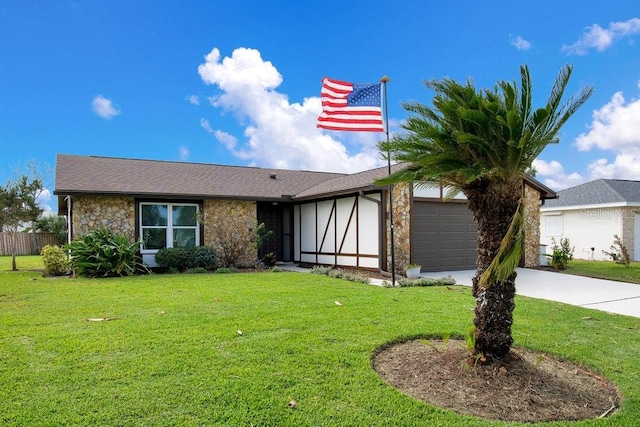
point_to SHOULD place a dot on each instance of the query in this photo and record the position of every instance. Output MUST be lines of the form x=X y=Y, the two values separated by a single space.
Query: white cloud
x=225 y=138
x=278 y=133
x=624 y=166
x=183 y=153
x=104 y=108
x=193 y=99
x=596 y=37
x=44 y=202
x=614 y=127
x=552 y=174
x=520 y=43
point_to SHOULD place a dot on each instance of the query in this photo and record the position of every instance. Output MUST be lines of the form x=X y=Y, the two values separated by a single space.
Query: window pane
x=184 y=237
x=154 y=215
x=184 y=216
x=154 y=238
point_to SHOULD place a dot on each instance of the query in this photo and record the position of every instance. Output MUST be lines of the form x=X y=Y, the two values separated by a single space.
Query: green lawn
x=173 y=354
x=605 y=270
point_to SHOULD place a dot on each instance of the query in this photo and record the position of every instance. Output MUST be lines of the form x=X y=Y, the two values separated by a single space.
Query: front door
x=277 y=219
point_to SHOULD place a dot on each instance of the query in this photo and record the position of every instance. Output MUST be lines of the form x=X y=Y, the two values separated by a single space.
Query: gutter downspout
x=69 y=222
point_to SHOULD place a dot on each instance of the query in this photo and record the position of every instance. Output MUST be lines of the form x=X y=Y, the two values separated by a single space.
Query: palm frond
x=511 y=248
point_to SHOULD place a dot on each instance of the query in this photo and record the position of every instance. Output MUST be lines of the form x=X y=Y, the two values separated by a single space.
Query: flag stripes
x=350 y=107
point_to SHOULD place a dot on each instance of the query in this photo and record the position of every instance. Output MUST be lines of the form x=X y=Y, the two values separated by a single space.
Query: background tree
x=54 y=224
x=18 y=207
x=481 y=143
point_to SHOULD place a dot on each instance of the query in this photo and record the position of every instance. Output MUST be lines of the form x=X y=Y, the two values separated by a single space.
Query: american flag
x=351 y=107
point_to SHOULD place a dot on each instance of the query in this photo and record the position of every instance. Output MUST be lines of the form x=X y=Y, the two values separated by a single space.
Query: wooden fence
x=24 y=243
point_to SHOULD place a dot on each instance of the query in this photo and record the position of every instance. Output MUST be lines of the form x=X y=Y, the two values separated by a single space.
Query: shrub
x=336 y=273
x=233 y=238
x=269 y=259
x=55 y=260
x=562 y=253
x=196 y=270
x=427 y=281
x=318 y=269
x=182 y=259
x=226 y=270
x=619 y=252
x=204 y=257
x=103 y=253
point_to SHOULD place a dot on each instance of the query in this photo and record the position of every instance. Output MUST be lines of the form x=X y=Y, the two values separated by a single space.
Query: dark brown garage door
x=443 y=236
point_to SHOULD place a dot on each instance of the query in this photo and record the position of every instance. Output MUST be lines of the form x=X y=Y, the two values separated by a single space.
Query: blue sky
x=238 y=82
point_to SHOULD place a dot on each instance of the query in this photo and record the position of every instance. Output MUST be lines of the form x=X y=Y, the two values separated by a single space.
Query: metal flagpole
x=384 y=81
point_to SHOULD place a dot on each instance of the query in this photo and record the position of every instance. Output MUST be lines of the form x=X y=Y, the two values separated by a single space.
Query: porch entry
x=277 y=218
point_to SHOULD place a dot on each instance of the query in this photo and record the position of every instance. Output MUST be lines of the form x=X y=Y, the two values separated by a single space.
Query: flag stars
x=364 y=95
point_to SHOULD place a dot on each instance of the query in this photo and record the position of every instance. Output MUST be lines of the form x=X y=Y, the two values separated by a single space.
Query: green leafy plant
x=226 y=270
x=103 y=253
x=322 y=270
x=182 y=259
x=470 y=338
x=269 y=259
x=196 y=270
x=54 y=260
x=53 y=224
x=337 y=273
x=261 y=235
x=619 y=252
x=426 y=281
x=562 y=253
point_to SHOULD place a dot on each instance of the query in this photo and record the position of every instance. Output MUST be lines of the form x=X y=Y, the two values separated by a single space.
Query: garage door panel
x=443 y=236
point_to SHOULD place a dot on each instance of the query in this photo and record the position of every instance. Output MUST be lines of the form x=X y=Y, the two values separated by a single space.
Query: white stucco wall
x=585 y=228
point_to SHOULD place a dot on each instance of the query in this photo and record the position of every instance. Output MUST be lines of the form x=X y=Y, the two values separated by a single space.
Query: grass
x=605 y=270
x=236 y=349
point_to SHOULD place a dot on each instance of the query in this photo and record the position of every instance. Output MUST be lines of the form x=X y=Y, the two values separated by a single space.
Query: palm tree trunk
x=493 y=207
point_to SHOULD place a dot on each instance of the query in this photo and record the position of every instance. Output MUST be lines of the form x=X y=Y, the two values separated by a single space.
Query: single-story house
x=316 y=217
x=590 y=214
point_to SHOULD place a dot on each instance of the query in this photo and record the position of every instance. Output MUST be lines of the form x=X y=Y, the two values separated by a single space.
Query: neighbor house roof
x=77 y=175
x=612 y=192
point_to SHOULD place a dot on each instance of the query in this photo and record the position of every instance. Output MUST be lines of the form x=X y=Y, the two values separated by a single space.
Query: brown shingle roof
x=107 y=175
x=348 y=183
x=154 y=178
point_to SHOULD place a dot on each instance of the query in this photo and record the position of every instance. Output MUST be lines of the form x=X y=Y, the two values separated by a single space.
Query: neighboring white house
x=590 y=214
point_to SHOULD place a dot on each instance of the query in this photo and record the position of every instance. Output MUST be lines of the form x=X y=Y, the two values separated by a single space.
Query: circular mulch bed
x=528 y=386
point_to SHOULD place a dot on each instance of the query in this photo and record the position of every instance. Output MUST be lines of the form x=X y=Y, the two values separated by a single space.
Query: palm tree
x=482 y=143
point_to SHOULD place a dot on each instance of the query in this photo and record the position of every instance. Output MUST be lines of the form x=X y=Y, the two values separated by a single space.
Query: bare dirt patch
x=527 y=387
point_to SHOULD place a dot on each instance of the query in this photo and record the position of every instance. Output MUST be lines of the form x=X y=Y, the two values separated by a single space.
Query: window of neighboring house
x=168 y=225
x=553 y=225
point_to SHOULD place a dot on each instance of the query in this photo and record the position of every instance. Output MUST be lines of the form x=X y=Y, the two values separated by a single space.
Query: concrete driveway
x=604 y=295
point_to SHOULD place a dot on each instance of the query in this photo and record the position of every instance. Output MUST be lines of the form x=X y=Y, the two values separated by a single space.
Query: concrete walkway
x=604 y=295
x=598 y=294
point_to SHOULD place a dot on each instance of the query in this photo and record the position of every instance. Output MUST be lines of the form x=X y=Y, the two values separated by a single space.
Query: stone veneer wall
x=116 y=213
x=532 y=227
x=401 y=196
x=628 y=230
x=234 y=222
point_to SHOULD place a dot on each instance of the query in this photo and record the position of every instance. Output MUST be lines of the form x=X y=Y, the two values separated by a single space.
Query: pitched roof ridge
x=337 y=174
x=608 y=183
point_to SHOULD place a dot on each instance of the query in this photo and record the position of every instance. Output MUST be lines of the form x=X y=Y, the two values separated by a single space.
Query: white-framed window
x=554 y=225
x=168 y=225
